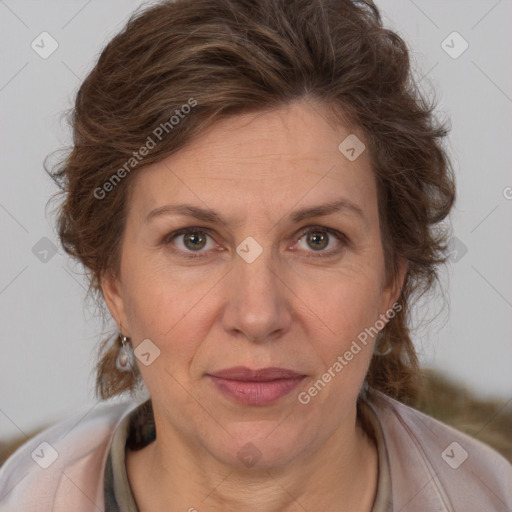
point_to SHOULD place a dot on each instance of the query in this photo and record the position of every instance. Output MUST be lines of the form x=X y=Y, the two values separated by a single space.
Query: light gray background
x=49 y=338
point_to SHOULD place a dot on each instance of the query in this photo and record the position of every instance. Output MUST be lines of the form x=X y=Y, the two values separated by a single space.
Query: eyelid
x=192 y=229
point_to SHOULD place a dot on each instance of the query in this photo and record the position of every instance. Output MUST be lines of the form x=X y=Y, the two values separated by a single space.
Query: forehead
x=269 y=160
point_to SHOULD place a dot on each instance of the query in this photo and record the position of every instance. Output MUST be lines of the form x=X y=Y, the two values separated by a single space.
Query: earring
x=123 y=356
x=363 y=392
x=377 y=350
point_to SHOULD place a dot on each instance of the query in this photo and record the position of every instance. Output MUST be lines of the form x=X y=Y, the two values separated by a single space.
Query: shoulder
x=435 y=467
x=62 y=467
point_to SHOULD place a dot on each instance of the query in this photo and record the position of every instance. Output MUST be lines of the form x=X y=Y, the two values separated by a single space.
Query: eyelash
x=342 y=238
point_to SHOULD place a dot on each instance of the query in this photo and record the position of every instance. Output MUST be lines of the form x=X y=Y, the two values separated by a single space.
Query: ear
x=394 y=290
x=112 y=293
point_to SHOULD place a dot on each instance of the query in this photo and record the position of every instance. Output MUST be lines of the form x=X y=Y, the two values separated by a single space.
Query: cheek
x=348 y=306
x=155 y=297
x=346 y=301
x=169 y=308
x=357 y=307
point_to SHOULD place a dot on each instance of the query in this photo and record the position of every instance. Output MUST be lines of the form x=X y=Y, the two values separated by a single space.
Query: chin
x=259 y=446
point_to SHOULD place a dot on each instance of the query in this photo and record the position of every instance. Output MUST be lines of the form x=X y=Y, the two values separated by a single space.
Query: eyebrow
x=211 y=216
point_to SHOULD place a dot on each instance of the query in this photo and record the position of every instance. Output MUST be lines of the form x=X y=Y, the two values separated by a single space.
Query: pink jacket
x=433 y=467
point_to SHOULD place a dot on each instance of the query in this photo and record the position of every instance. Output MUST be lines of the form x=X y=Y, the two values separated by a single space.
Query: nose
x=258 y=301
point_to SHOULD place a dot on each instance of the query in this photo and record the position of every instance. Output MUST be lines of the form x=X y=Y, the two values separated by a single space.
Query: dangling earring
x=377 y=349
x=123 y=357
x=363 y=392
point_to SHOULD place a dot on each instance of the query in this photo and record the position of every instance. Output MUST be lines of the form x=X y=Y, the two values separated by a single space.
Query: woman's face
x=260 y=279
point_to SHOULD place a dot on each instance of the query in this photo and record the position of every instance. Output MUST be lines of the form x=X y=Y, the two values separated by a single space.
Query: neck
x=169 y=475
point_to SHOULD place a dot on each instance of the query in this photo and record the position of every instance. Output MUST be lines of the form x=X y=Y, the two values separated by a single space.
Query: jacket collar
x=415 y=480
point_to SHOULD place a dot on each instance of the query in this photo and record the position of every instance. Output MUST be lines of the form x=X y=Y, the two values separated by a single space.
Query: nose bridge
x=255 y=265
x=257 y=303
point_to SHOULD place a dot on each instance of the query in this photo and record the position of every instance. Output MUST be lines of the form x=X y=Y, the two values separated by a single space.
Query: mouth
x=255 y=387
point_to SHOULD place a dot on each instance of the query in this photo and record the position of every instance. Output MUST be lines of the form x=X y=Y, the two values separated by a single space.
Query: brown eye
x=324 y=241
x=317 y=240
x=190 y=242
x=194 y=240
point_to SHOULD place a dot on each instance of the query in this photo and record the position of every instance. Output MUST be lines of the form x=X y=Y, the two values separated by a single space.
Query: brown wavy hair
x=239 y=56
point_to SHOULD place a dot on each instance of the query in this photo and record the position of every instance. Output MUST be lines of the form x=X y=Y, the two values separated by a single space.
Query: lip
x=256 y=387
x=243 y=373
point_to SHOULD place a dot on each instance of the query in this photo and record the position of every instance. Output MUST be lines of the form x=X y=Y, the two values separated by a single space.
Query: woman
x=256 y=189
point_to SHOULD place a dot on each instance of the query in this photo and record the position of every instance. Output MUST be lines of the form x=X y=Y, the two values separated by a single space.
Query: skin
x=299 y=305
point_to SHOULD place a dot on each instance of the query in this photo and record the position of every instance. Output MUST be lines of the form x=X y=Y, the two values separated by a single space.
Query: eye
x=190 y=241
x=319 y=238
